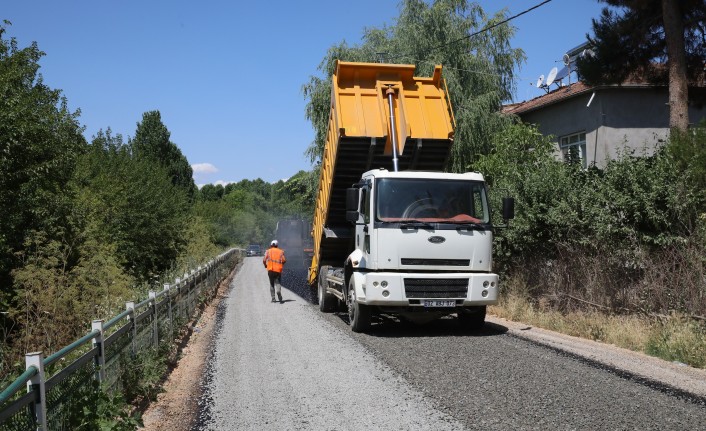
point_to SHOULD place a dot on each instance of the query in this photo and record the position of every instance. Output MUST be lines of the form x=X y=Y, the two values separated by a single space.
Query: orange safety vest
x=274 y=259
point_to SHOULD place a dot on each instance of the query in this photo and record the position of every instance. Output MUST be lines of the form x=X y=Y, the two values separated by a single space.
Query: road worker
x=274 y=261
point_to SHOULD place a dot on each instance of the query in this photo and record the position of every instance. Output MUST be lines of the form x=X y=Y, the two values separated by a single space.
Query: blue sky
x=227 y=75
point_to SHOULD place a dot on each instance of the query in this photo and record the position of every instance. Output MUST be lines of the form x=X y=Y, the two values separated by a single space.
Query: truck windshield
x=430 y=200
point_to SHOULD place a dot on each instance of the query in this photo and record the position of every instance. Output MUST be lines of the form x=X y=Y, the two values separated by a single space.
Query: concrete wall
x=617 y=120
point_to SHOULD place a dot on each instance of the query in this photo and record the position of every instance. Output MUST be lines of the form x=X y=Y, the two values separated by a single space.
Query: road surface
x=287 y=366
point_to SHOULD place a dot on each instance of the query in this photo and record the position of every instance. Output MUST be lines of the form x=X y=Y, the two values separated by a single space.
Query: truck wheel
x=327 y=302
x=472 y=318
x=359 y=315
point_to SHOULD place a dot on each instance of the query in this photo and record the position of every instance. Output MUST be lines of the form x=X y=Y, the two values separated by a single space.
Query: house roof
x=550 y=98
x=567 y=92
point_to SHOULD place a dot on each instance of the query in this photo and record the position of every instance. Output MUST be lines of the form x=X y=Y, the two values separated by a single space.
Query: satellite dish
x=551 y=76
x=563 y=73
x=540 y=80
x=567 y=59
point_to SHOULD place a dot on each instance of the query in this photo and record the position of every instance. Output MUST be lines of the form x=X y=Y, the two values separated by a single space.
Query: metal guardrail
x=100 y=358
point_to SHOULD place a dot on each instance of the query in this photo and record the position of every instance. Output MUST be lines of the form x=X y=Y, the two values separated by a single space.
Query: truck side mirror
x=352 y=199
x=508 y=208
x=352 y=204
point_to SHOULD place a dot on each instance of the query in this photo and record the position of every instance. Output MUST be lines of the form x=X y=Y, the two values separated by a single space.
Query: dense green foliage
x=40 y=141
x=152 y=143
x=630 y=236
x=478 y=69
x=84 y=227
x=247 y=212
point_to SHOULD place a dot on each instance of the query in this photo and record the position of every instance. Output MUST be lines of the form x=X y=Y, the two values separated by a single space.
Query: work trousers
x=275 y=282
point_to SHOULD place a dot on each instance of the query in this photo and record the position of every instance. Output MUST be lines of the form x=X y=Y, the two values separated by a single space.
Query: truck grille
x=436 y=262
x=436 y=288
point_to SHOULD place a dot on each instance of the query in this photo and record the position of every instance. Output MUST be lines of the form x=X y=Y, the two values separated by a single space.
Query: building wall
x=617 y=120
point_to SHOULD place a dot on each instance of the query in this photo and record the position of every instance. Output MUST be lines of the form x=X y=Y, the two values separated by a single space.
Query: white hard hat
x=274 y=242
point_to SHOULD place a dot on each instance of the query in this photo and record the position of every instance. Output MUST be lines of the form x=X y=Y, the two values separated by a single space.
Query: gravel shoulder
x=177 y=406
x=280 y=367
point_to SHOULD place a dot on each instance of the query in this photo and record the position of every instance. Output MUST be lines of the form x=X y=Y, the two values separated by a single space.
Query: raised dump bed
x=359 y=138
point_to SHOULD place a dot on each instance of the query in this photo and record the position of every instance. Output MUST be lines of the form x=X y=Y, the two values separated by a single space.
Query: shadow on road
x=386 y=326
x=295 y=280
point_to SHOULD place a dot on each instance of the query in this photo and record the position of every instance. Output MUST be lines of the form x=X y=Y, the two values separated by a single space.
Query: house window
x=573 y=148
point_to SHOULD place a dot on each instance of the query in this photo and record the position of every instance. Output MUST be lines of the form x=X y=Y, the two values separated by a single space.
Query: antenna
x=551 y=76
x=540 y=80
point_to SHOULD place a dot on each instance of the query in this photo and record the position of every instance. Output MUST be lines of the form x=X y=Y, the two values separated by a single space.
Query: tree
x=645 y=37
x=40 y=140
x=478 y=68
x=133 y=204
x=152 y=142
x=210 y=192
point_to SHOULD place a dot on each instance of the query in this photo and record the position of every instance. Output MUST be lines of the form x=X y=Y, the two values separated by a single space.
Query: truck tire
x=359 y=315
x=472 y=318
x=327 y=301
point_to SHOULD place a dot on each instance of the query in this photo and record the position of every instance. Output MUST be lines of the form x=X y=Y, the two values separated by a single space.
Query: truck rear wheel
x=472 y=318
x=327 y=301
x=359 y=315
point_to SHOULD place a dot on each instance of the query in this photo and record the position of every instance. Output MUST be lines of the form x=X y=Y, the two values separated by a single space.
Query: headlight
x=486 y=283
x=383 y=284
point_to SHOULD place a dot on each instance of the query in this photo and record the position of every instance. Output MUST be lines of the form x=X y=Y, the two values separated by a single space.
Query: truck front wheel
x=359 y=315
x=327 y=302
x=472 y=318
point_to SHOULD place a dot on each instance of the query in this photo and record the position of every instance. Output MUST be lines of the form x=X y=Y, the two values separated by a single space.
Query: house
x=594 y=124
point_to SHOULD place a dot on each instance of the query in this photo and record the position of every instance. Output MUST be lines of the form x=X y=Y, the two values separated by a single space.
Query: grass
x=676 y=338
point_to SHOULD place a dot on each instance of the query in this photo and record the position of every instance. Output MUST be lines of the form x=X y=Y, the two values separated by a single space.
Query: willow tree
x=474 y=49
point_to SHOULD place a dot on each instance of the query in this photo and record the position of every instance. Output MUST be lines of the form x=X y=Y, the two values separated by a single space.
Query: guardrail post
x=130 y=306
x=167 y=291
x=155 y=321
x=97 y=325
x=189 y=292
x=177 y=283
x=36 y=385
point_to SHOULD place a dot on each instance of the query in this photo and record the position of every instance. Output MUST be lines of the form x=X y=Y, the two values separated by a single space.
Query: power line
x=484 y=29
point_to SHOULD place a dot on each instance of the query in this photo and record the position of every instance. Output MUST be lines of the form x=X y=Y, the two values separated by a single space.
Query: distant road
x=289 y=367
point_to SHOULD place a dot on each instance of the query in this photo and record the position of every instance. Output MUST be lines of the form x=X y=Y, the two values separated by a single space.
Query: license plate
x=439 y=303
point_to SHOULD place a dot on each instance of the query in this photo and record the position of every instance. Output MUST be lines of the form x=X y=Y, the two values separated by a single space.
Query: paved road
x=288 y=366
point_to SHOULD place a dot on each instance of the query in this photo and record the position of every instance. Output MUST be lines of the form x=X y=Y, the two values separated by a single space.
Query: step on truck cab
x=392 y=232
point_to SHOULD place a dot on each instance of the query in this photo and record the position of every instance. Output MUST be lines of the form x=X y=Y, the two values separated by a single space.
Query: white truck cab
x=422 y=247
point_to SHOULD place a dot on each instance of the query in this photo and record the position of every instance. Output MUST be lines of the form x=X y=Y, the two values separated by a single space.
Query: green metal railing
x=100 y=358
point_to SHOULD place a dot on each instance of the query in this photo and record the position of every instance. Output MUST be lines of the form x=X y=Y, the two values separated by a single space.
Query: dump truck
x=393 y=233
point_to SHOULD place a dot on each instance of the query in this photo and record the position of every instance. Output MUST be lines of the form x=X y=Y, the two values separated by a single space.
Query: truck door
x=365 y=202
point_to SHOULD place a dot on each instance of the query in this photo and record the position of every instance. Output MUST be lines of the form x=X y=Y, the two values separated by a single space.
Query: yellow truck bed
x=359 y=139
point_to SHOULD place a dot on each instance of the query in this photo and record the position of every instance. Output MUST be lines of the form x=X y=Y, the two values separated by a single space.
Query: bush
x=626 y=237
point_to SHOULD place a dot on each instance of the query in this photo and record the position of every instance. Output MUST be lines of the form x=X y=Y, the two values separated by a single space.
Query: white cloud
x=204 y=168
x=215 y=183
